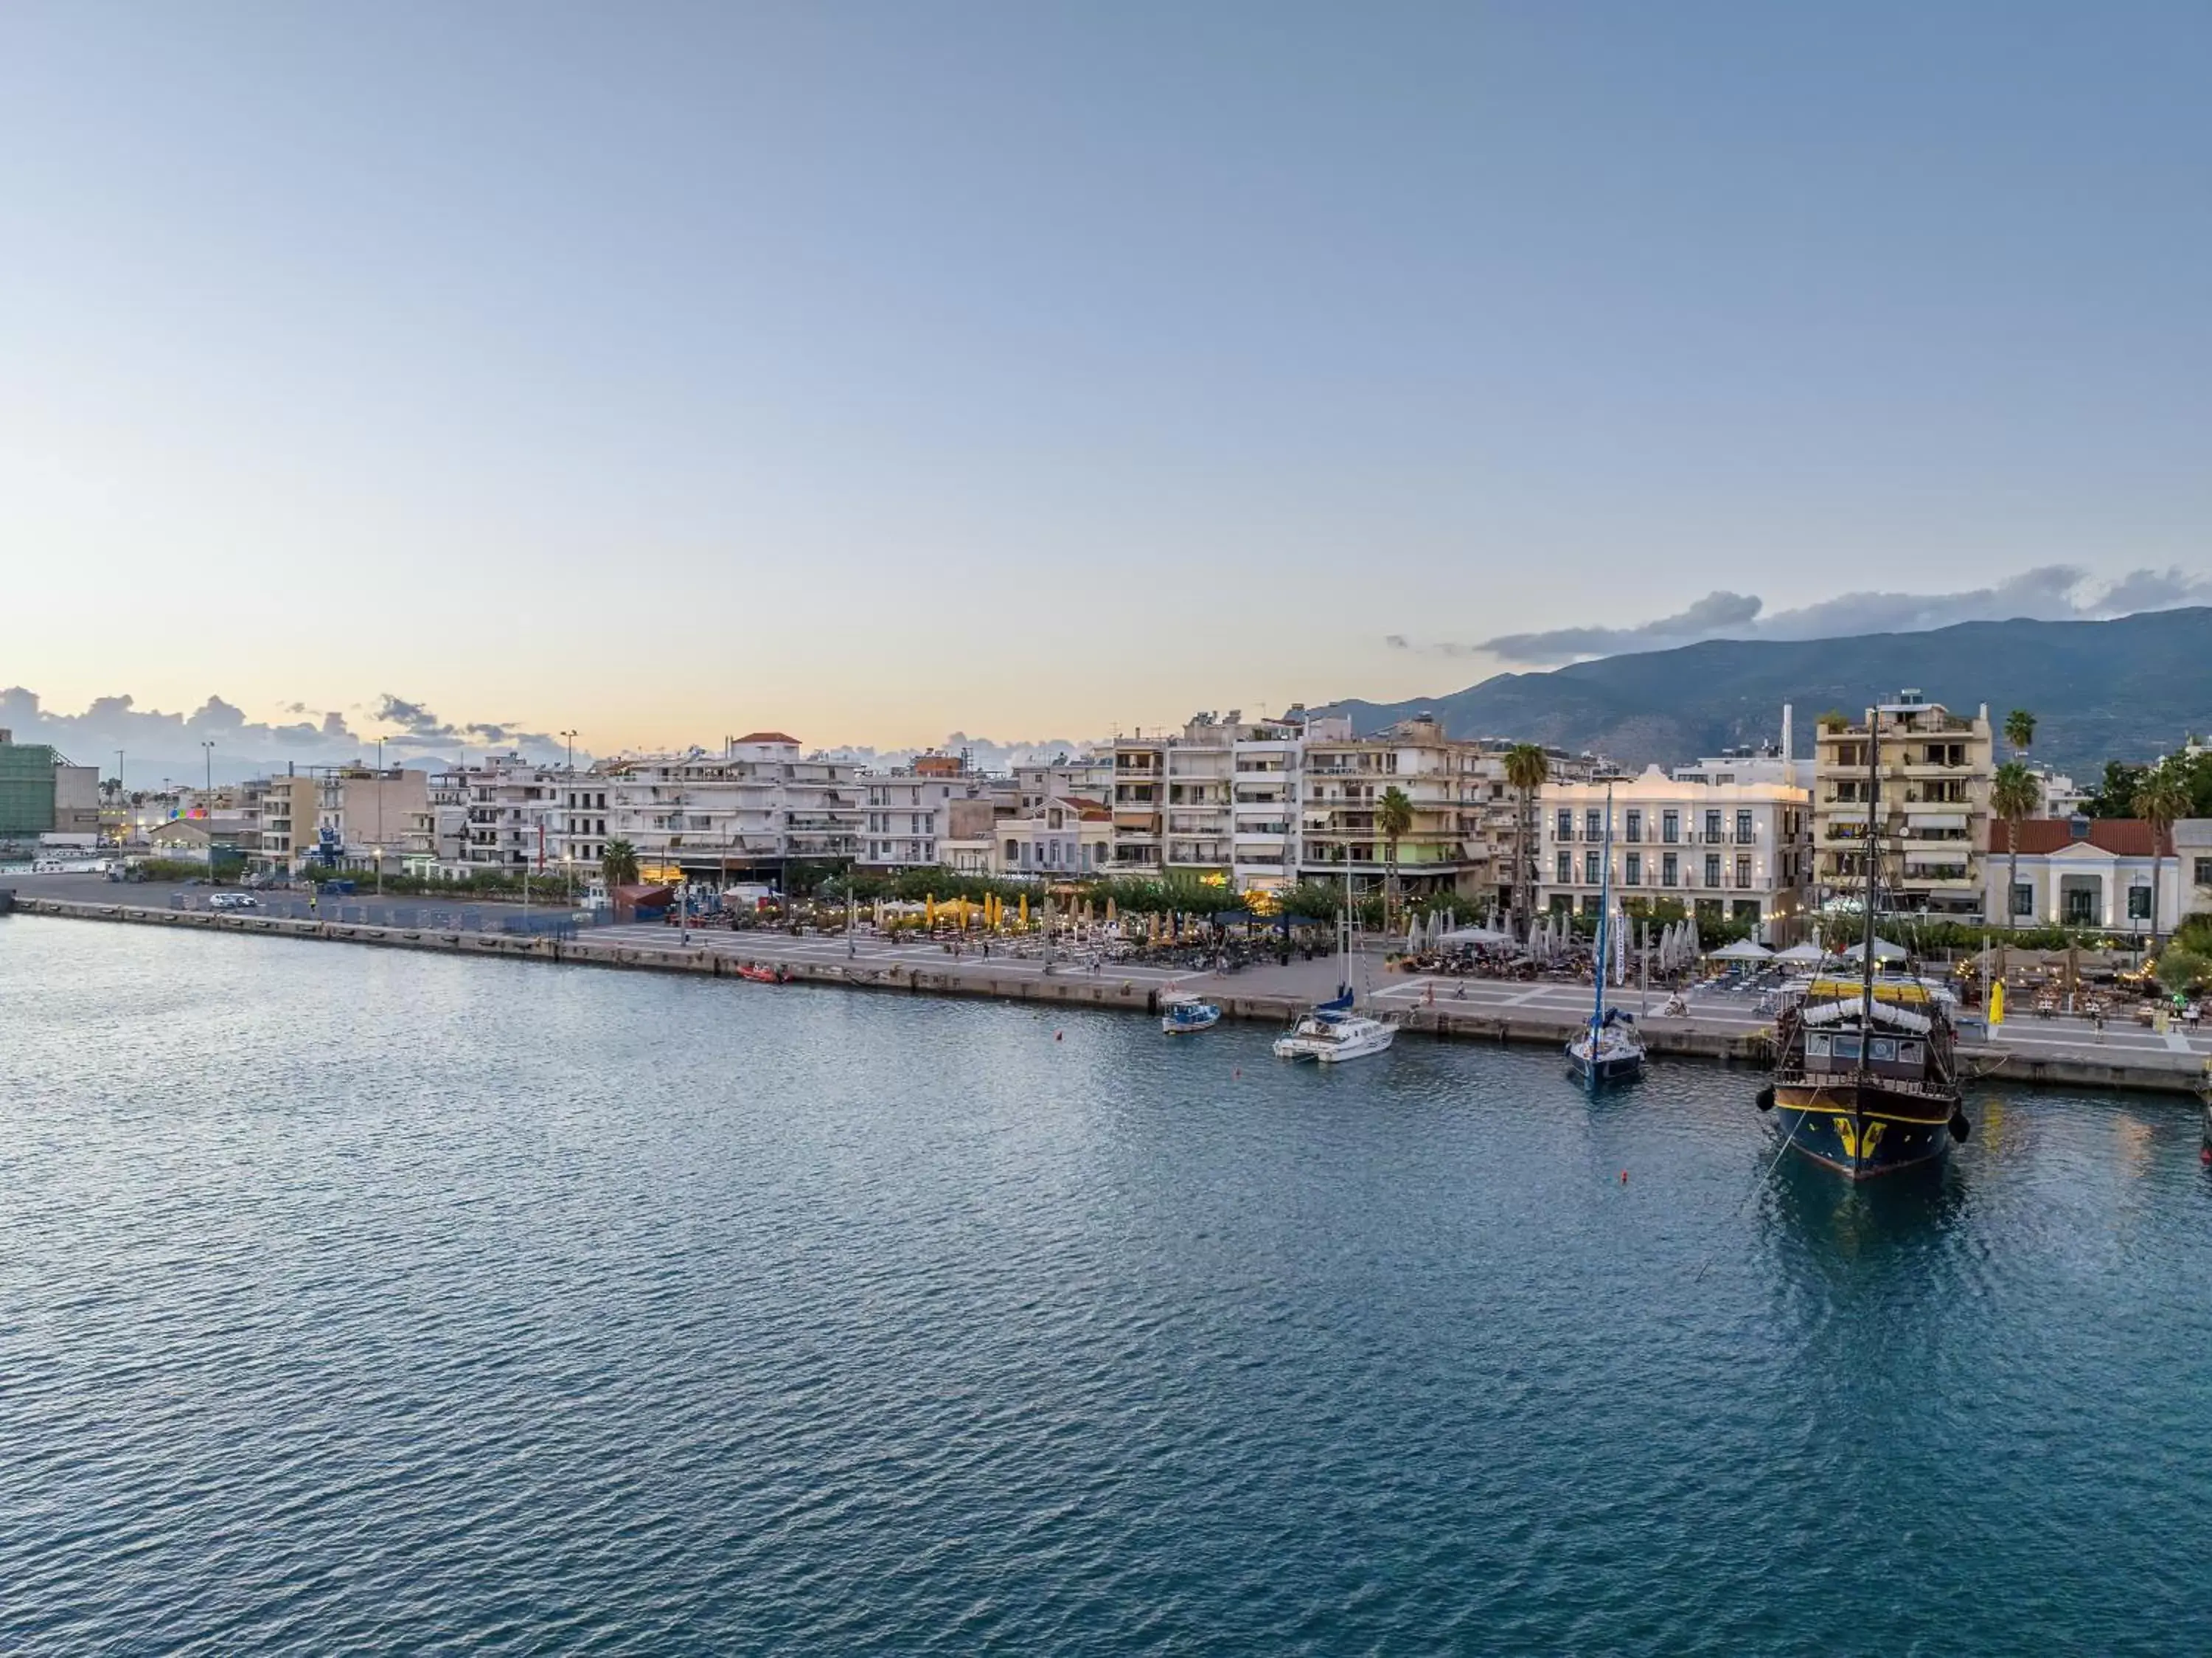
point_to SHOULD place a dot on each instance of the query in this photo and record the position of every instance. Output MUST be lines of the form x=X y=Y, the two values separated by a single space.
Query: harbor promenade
x=1715 y=1025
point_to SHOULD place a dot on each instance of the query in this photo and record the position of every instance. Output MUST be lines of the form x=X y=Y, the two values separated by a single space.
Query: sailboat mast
x=1873 y=857
x=1604 y=913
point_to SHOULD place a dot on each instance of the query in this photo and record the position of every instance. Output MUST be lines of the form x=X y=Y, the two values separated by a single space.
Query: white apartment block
x=1931 y=805
x=1739 y=852
x=511 y=819
x=758 y=806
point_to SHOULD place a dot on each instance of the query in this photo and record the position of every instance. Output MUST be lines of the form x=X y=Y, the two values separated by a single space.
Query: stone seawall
x=2066 y=1070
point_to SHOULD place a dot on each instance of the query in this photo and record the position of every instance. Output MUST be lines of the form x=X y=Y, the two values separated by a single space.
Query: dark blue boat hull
x=1615 y=1070
x=1860 y=1133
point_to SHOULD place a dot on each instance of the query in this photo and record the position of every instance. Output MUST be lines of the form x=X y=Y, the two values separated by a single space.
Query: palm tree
x=1394 y=819
x=2014 y=797
x=2161 y=798
x=2020 y=731
x=1527 y=769
x=618 y=864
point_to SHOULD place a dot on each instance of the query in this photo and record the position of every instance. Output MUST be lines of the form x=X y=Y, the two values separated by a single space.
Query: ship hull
x=1861 y=1131
x=1607 y=1068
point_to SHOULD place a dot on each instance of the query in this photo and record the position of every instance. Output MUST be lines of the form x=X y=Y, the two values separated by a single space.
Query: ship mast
x=1874 y=834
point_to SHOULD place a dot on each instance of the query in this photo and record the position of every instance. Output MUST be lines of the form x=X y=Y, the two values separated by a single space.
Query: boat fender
x=1764 y=1099
x=1961 y=1128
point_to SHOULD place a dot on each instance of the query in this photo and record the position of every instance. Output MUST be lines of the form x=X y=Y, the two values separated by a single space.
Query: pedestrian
x=2097 y=1019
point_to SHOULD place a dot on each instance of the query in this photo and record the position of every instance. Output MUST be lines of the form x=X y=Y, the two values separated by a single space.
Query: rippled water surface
x=366 y=1301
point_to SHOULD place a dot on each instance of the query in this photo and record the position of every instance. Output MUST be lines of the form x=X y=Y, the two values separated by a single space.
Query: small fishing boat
x=1608 y=1051
x=760 y=973
x=1181 y=1015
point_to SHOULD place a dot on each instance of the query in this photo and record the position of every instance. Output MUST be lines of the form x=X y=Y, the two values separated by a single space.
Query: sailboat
x=1333 y=1030
x=1866 y=1075
x=1608 y=1050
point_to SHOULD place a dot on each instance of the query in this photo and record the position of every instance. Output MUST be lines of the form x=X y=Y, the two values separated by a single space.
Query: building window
x=1713 y=826
x=1743 y=828
x=2138 y=903
x=1670 y=827
x=1712 y=869
x=1670 y=869
x=1590 y=875
x=1635 y=823
x=2023 y=898
x=1593 y=825
x=1566 y=826
x=2204 y=872
x=1635 y=874
x=1743 y=873
x=1567 y=868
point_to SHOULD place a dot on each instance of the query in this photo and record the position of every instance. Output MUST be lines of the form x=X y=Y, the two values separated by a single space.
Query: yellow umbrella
x=929 y=909
x=1996 y=1001
x=1025 y=909
x=1109 y=909
x=964 y=913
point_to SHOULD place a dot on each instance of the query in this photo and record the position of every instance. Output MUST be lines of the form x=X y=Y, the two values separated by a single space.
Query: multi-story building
x=906 y=811
x=759 y=806
x=1454 y=787
x=1736 y=850
x=1065 y=837
x=367 y=813
x=1930 y=803
x=512 y=814
x=1140 y=794
x=42 y=794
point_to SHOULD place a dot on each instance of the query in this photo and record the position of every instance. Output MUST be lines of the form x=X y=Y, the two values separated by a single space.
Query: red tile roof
x=766 y=736
x=2127 y=837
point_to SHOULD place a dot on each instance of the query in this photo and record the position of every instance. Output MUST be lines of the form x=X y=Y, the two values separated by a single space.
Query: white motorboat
x=1335 y=1030
x=1331 y=1035
x=1180 y=1015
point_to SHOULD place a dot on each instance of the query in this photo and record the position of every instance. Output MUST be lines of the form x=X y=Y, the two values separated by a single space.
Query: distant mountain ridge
x=2126 y=689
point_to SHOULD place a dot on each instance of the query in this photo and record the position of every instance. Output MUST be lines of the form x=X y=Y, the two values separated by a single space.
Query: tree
x=2115 y=796
x=2014 y=797
x=618 y=864
x=1528 y=769
x=1834 y=720
x=1394 y=820
x=2020 y=731
x=2161 y=798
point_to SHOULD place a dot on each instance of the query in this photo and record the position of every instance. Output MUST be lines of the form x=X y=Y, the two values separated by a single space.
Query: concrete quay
x=1729 y=1030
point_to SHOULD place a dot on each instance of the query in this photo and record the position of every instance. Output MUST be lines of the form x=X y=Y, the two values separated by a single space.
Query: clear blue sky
x=1042 y=368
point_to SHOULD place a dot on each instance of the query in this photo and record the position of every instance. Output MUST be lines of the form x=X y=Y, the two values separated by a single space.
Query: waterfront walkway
x=1716 y=1024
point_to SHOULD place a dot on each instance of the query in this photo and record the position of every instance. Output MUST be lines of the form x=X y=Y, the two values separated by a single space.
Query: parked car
x=233 y=901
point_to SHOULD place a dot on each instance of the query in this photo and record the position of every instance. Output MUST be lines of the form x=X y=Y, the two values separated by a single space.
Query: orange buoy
x=1624 y=1177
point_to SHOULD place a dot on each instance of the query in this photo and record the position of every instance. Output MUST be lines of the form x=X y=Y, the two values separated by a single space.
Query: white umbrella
x=1883 y=951
x=1743 y=949
x=1797 y=953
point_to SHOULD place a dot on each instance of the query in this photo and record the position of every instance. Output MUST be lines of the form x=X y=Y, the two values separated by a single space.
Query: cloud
x=1717 y=612
x=156 y=744
x=2046 y=593
x=418 y=726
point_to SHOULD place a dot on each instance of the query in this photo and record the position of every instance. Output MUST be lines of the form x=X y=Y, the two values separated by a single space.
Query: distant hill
x=2119 y=690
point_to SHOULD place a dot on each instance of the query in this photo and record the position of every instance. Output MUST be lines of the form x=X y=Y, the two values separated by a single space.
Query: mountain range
x=2126 y=689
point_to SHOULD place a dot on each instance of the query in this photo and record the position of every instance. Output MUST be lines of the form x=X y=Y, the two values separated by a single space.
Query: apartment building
x=1461 y=840
x=758 y=806
x=1929 y=799
x=1737 y=850
x=1140 y=794
x=1064 y=837
x=906 y=812
x=513 y=815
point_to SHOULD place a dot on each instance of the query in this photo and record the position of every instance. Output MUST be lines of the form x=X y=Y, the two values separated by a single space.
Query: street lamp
x=570 y=738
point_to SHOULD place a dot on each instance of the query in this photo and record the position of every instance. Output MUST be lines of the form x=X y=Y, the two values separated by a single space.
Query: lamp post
x=570 y=737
